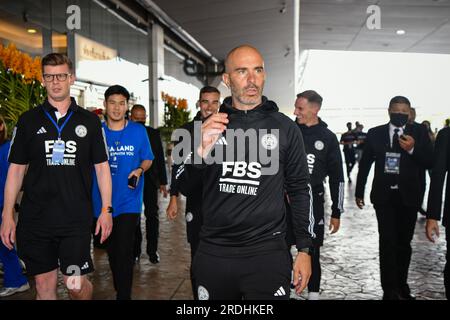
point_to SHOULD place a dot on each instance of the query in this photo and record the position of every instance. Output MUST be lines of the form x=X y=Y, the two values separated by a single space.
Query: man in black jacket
x=155 y=179
x=400 y=152
x=324 y=159
x=243 y=252
x=209 y=101
x=441 y=168
x=347 y=140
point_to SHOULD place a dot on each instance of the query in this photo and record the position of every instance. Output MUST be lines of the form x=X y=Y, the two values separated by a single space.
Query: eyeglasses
x=59 y=76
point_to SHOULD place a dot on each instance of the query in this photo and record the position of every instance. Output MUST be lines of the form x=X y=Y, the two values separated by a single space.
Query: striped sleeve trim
x=341 y=197
x=311 y=213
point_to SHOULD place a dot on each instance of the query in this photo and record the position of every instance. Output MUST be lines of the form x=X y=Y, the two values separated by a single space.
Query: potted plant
x=20 y=83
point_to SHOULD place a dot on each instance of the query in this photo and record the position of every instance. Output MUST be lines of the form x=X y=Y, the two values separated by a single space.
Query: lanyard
x=60 y=129
x=119 y=140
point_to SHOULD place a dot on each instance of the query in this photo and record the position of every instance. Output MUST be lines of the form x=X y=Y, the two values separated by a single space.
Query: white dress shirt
x=400 y=132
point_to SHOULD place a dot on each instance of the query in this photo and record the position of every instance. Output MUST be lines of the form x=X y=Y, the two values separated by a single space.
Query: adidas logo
x=280 y=292
x=321 y=223
x=222 y=141
x=85 y=266
x=41 y=131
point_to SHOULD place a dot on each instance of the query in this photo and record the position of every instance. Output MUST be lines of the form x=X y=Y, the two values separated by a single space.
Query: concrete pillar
x=296 y=26
x=47 y=45
x=156 y=70
x=71 y=47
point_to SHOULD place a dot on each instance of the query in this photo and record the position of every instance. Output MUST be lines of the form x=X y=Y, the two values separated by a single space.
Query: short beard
x=246 y=101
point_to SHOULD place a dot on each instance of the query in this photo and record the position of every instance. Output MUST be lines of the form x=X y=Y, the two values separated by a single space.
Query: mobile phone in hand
x=132 y=182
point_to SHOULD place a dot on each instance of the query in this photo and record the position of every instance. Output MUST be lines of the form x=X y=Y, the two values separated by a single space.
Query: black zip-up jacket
x=324 y=159
x=441 y=168
x=243 y=208
x=178 y=168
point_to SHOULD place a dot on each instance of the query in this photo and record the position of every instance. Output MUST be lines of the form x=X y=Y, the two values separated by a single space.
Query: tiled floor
x=349 y=261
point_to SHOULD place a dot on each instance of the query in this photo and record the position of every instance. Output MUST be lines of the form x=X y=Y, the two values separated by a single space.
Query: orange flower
x=182 y=104
x=20 y=63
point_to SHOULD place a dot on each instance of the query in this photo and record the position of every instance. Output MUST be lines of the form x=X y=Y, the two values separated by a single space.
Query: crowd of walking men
x=253 y=178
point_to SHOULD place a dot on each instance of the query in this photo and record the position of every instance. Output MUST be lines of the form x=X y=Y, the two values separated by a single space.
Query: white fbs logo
x=70 y=149
x=240 y=169
x=241 y=179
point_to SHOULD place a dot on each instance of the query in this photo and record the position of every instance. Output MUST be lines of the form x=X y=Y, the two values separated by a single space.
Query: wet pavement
x=349 y=261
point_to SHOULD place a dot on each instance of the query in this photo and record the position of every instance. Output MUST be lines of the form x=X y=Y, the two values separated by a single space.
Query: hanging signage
x=86 y=49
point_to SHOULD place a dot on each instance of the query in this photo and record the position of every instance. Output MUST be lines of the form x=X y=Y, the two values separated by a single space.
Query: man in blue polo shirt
x=130 y=156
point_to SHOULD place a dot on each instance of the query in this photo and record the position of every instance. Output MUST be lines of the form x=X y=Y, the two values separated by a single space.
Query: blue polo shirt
x=127 y=149
x=4 y=165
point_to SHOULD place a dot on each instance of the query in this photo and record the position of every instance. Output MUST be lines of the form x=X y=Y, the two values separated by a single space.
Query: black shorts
x=265 y=276
x=44 y=250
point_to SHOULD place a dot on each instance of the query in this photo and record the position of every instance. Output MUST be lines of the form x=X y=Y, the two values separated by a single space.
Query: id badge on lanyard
x=58 y=152
x=114 y=165
x=59 y=146
x=392 y=163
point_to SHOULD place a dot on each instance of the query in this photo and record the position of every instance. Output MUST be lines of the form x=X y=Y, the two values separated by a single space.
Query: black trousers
x=447 y=264
x=350 y=160
x=194 y=223
x=120 y=253
x=396 y=223
x=151 y=221
x=319 y=230
x=194 y=246
x=316 y=275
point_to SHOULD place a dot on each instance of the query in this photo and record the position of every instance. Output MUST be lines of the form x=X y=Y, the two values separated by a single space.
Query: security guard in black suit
x=400 y=152
x=155 y=180
x=441 y=167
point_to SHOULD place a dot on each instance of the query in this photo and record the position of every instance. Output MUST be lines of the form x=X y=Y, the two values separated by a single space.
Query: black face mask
x=398 y=119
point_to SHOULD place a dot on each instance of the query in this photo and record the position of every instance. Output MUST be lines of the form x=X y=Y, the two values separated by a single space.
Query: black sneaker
x=154 y=257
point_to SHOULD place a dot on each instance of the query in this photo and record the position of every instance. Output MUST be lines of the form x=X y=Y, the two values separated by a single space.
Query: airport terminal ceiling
x=421 y=26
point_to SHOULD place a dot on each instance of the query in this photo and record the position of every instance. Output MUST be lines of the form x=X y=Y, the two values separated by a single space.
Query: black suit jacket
x=409 y=180
x=441 y=167
x=157 y=174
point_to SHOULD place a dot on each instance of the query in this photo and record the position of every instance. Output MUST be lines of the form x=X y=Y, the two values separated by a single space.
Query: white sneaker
x=294 y=296
x=313 y=296
x=6 y=292
x=24 y=268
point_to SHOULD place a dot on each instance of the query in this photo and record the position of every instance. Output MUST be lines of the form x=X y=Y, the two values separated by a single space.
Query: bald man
x=242 y=252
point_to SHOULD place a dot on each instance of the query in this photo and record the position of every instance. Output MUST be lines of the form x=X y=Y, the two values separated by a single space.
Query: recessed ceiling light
x=401 y=32
x=31 y=30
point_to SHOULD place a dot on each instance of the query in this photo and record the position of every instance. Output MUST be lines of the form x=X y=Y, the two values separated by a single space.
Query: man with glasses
x=60 y=143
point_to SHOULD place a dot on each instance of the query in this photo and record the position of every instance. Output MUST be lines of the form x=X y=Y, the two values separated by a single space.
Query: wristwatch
x=108 y=210
x=308 y=250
